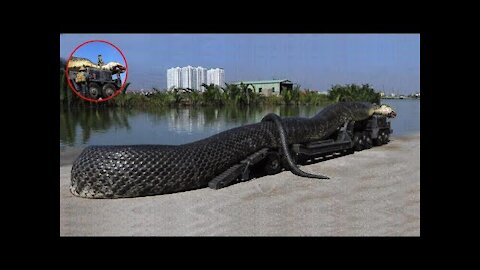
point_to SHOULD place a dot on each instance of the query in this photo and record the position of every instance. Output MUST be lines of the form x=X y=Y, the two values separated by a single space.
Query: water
x=408 y=116
x=82 y=127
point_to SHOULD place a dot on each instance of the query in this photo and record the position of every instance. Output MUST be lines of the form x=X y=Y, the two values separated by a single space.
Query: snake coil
x=122 y=171
x=283 y=141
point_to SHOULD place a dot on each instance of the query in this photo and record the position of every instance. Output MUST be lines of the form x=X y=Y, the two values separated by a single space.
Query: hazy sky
x=315 y=61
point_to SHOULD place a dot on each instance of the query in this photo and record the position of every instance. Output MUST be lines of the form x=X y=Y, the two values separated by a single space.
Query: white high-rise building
x=194 y=77
x=201 y=78
x=216 y=76
x=174 y=78
x=187 y=77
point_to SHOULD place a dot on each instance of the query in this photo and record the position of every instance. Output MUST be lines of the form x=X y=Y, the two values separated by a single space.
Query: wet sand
x=375 y=192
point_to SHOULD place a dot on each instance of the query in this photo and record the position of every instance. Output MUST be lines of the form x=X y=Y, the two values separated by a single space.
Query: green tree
x=291 y=95
x=194 y=97
x=353 y=92
x=63 y=88
x=296 y=94
x=212 y=95
x=246 y=93
x=67 y=97
x=231 y=93
x=286 y=95
x=177 y=96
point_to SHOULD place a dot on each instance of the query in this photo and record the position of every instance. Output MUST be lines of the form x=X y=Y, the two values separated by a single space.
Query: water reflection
x=165 y=125
x=89 y=120
x=188 y=120
x=160 y=125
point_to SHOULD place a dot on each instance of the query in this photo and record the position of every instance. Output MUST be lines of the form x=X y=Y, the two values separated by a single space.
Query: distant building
x=193 y=77
x=174 y=78
x=201 y=78
x=189 y=77
x=216 y=76
x=268 y=88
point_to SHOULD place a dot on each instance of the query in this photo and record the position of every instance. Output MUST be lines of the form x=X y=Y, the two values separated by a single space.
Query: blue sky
x=316 y=61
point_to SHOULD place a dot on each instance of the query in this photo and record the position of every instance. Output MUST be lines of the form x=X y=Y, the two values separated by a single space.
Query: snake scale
x=122 y=171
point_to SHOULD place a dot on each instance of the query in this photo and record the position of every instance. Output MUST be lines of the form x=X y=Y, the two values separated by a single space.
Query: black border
x=246 y=28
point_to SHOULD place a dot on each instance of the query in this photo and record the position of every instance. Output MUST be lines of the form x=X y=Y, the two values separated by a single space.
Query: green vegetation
x=291 y=95
x=230 y=95
x=309 y=97
x=66 y=96
x=353 y=92
x=89 y=119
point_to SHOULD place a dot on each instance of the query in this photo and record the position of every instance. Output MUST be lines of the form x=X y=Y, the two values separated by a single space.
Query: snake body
x=78 y=62
x=142 y=170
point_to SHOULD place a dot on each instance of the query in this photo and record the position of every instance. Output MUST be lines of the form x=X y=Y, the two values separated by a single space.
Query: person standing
x=81 y=80
x=100 y=61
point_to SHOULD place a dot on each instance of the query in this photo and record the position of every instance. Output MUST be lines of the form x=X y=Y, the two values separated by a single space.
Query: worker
x=100 y=60
x=81 y=80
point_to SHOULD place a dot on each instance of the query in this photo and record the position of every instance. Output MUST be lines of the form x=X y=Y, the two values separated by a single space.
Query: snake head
x=114 y=66
x=384 y=110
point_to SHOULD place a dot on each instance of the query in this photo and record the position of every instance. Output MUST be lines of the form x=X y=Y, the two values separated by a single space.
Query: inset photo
x=96 y=70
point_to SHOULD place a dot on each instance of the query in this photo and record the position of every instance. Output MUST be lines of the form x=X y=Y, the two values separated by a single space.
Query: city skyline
x=388 y=62
x=194 y=77
x=216 y=76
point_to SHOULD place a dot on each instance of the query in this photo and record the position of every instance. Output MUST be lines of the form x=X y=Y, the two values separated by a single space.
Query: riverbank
x=371 y=193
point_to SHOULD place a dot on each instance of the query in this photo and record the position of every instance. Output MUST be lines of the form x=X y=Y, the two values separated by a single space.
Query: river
x=83 y=127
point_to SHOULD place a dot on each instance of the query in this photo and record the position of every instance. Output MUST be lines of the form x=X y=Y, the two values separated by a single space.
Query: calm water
x=79 y=128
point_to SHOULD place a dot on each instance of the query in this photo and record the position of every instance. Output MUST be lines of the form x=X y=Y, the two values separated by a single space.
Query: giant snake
x=122 y=171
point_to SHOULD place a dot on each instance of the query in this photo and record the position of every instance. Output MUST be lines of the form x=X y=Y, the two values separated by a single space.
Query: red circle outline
x=116 y=92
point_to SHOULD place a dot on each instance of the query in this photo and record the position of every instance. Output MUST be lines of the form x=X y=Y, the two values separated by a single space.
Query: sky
x=388 y=62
